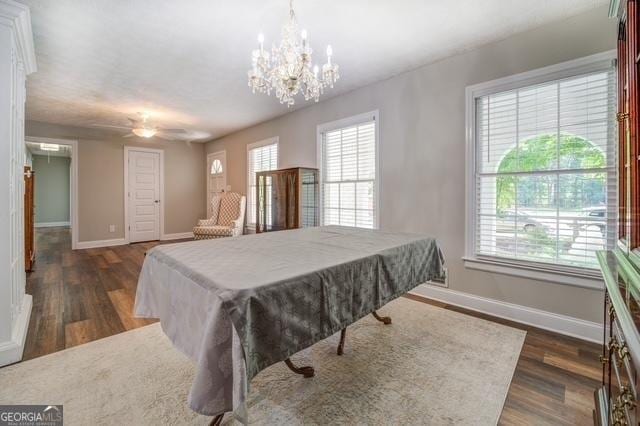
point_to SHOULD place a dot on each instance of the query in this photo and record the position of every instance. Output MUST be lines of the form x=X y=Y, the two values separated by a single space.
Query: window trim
x=544 y=272
x=274 y=140
x=339 y=124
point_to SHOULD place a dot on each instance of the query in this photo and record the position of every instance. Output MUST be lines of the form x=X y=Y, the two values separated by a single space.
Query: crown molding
x=18 y=18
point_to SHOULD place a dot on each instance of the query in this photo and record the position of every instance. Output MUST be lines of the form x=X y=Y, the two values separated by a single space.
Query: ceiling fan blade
x=109 y=126
x=160 y=129
x=167 y=137
x=129 y=135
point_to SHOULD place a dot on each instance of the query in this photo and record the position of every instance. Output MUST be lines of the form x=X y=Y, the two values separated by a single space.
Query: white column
x=17 y=59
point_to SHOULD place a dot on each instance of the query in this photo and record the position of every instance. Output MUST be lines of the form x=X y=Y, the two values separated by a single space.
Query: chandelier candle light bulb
x=289 y=68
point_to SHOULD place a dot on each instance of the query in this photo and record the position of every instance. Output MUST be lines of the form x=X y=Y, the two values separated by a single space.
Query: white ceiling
x=186 y=61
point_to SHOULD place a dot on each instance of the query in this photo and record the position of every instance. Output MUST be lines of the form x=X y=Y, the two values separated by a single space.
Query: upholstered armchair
x=227 y=217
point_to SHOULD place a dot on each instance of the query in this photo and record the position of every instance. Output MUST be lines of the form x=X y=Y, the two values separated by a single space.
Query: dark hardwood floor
x=84 y=295
x=80 y=295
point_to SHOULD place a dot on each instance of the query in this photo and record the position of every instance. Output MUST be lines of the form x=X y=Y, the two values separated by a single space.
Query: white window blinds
x=260 y=158
x=545 y=171
x=349 y=176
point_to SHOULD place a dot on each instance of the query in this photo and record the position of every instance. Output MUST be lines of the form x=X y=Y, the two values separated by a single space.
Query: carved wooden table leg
x=305 y=371
x=216 y=420
x=343 y=334
x=386 y=320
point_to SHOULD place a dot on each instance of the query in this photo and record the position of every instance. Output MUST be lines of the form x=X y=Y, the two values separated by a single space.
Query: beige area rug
x=431 y=366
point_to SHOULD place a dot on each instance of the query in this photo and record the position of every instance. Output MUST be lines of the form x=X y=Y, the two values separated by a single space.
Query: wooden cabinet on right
x=616 y=399
x=628 y=121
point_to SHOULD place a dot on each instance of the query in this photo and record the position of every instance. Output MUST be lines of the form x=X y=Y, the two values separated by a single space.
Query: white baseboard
x=12 y=350
x=177 y=236
x=562 y=324
x=101 y=243
x=51 y=224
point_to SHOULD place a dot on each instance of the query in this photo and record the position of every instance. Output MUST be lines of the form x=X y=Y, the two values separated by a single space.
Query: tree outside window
x=551 y=200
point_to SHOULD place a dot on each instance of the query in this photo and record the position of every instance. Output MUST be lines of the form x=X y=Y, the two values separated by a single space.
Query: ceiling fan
x=143 y=128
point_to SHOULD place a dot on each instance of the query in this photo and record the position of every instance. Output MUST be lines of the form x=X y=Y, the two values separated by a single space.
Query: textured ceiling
x=186 y=61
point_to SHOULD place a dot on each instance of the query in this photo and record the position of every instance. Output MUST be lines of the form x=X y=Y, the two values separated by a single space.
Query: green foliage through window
x=543 y=153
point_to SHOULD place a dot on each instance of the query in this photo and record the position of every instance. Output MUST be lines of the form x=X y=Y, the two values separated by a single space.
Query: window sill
x=568 y=276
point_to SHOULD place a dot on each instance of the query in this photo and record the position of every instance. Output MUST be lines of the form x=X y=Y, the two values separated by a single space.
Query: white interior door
x=144 y=196
x=216 y=176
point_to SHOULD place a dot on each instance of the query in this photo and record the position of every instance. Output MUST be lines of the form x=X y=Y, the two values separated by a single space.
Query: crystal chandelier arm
x=289 y=69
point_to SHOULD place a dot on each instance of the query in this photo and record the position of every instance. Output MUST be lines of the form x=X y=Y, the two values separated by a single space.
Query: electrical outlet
x=228 y=188
x=112 y=228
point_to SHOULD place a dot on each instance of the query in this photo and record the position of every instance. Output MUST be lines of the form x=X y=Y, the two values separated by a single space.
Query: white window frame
x=339 y=124
x=545 y=272
x=275 y=140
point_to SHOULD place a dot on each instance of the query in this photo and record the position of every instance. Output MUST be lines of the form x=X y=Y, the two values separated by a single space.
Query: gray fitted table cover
x=237 y=305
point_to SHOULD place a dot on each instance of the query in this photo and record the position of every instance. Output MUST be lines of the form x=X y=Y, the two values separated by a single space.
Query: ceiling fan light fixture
x=144 y=133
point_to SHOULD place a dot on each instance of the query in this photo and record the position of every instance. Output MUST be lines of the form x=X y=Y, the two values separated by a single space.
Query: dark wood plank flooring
x=84 y=295
x=80 y=295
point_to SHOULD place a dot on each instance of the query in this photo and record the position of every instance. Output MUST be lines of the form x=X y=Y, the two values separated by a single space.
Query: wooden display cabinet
x=616 y=400
x=287 y=199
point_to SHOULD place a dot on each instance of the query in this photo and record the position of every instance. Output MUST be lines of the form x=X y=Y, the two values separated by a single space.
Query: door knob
x=156 y=201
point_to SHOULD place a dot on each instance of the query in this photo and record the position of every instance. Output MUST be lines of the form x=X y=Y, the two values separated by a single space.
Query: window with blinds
x=349 y=175
x=545 y=171
x=260 y=157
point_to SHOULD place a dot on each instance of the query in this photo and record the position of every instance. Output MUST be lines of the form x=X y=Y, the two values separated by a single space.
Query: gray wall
x=51 y=188
x=101 y=180
x=422 y=148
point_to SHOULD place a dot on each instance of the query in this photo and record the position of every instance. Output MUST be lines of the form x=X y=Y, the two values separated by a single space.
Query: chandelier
x=289 y=70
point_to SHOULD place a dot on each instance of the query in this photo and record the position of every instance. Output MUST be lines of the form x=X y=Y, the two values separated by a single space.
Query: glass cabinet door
x=287 y=199
x=309 y=198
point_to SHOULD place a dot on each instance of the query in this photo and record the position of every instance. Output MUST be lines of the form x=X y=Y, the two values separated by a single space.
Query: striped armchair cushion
x=212 y=231
x=229 y=209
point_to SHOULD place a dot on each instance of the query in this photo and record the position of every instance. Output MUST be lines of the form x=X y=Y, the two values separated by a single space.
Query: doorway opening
x=50 y=176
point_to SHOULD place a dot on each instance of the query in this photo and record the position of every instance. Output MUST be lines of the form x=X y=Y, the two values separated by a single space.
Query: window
x=261 y=156
x=216 y=167
x=542 y=176
x=349 y=172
